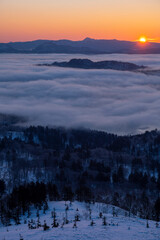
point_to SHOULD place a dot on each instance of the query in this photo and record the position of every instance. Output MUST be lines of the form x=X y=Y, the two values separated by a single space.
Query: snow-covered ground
x=118 y=227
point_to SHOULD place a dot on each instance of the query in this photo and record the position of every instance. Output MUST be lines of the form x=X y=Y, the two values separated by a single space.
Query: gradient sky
x=22 y=20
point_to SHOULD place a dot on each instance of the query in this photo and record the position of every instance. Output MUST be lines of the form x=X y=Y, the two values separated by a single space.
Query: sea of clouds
x=114 y=101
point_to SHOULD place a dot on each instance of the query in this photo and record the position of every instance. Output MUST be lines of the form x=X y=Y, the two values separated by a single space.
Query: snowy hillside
x=117 y=227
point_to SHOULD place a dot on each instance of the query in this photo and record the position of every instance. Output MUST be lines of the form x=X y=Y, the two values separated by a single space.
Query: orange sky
x=22 y=20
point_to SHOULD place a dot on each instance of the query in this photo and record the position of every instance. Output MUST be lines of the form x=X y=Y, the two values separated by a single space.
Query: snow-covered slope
x=119 y=227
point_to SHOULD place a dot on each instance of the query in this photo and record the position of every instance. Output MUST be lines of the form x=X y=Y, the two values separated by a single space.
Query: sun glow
x=143 y=39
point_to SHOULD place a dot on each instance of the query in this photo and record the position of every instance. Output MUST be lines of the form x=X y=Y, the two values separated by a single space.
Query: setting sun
x=143 y=39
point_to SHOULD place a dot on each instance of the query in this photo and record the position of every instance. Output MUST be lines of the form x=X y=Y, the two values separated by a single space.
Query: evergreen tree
x=77 y=218
x=20 y=237
x=55 y=223
x=45 y=207
x=45 y=226
x=104 y=223
x=157 y=209
x=2 y=187
x=66 y=215
x=92 y=223
x=75 y=224
x=38 y=222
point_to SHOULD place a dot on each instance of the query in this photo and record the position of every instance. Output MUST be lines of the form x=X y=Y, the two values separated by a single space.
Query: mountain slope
x=118 y=227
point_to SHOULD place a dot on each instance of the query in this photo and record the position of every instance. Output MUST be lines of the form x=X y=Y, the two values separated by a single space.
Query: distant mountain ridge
x=86 y=46
x=88 y=64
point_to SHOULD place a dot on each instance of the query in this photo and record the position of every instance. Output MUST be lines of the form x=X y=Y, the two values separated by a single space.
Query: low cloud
x=114 y=101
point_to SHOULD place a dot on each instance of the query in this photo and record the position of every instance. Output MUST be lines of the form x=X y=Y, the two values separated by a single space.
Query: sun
x=143 y=39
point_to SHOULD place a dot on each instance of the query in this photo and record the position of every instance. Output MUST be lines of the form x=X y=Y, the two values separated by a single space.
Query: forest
x=41 y=164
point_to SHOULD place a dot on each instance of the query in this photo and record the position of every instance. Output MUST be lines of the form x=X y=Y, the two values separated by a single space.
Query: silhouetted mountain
x=27 y=46
x=88 y=64
x=86 y=46
x=51 y=47
x=5 y=48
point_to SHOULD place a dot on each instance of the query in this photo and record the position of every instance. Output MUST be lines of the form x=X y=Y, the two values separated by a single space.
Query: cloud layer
x=114 y=101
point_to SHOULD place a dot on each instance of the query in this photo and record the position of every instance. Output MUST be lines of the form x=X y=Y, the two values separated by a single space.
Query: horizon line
x=65 y=39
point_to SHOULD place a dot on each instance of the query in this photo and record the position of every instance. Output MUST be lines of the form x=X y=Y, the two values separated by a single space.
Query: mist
x=113 y=101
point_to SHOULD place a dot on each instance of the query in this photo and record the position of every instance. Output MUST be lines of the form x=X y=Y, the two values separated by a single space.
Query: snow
x=119 y=227
x=13 y=135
